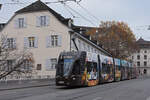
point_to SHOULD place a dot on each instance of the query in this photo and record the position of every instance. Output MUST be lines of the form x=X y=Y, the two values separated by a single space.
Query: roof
x=143 y=43
x=82 y=30
x=40 y=6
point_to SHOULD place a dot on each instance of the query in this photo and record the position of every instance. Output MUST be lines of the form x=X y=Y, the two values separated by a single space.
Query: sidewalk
x=19 y=84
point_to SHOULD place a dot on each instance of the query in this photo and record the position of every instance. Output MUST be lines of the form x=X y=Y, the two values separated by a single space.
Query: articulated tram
x=88 y=69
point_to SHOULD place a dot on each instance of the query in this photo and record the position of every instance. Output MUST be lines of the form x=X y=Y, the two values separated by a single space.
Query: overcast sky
x=134 y=12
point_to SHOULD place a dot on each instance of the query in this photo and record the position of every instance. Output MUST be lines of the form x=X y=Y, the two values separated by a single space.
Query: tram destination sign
x=67 y=57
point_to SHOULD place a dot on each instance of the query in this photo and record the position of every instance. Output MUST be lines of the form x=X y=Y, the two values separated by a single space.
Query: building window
x=95 y=51
x=145 y=51
x=145 y=63
x=11 y=43
x=88 y=48
x=138 y=51
x=138 y=57
x=42 y=21
x=132 y=57
x=84 y=47
x=27 y=65
x=21 y=22
x=92 y=49
x=39 y=66
x=54 y=40
x=53 y=63
x=145 y=57
x=9 y=65
x=138 y=63
x=31 y=41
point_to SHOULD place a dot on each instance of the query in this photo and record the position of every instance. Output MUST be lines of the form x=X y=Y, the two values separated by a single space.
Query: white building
x=141 y=58
x=42 y=31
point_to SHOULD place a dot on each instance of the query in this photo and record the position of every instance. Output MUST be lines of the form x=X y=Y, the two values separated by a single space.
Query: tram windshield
x=67 y=65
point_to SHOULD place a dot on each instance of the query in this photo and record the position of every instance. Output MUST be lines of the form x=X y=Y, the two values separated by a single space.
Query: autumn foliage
x=116 y=37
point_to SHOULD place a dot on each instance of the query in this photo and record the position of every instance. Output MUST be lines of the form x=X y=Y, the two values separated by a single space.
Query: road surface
x=136 y=89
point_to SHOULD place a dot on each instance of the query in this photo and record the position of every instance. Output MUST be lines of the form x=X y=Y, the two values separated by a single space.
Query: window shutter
x=48 y=41
x=38 y=21
x=59 y=40
x=48 y=64
x=26 y=42
x=14 y=43
x=16 y=23
x=25 y=22
x=36 y=42
x=47 y=20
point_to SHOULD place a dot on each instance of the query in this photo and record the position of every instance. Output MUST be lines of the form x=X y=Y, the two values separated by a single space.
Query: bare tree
x=13 y=61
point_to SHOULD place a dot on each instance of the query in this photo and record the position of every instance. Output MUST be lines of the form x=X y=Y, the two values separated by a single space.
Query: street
x=136 y=89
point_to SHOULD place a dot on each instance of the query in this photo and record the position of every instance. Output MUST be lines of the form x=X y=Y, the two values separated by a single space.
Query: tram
x=88 y=69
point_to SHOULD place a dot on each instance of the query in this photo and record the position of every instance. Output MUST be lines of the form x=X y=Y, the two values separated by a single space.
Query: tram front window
x=67 y=66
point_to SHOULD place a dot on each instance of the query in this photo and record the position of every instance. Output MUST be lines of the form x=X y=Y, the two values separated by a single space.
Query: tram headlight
x=73 y=78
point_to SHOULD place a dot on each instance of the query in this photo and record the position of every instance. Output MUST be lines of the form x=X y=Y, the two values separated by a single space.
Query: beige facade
x=141 y=58
x=41 y=53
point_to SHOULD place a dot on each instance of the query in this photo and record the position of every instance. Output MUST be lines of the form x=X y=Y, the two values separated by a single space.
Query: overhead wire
x=141 y=27
x=88 y=12
x=67 y=7
x=81 y=15
x=69 y=12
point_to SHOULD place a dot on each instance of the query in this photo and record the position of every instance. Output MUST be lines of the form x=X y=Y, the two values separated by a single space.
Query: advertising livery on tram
x=88 y=69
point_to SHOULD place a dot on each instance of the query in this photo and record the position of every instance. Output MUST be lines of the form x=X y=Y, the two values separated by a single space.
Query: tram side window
x=91 y=66
x=111 y=68
x=76 y=68
x=95 y=66
x=106 y=68
x=118 y=67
